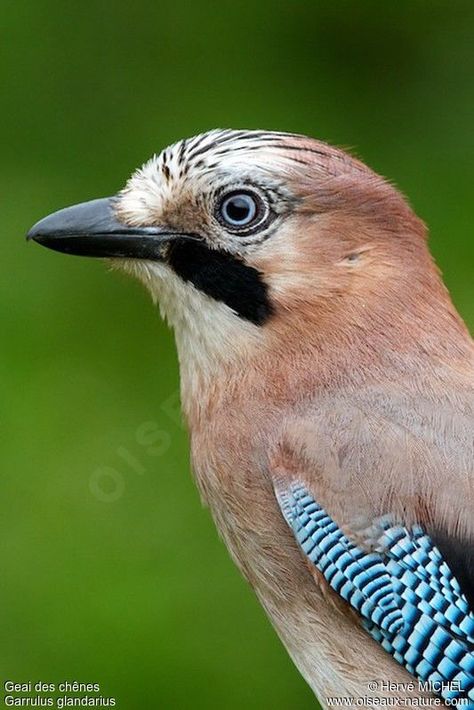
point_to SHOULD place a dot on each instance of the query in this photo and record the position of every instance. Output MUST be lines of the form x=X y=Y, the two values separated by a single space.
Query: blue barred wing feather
x=406 y=594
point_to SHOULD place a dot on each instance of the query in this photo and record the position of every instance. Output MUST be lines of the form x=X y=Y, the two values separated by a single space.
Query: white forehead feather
x=208 y=160
x=221 y=149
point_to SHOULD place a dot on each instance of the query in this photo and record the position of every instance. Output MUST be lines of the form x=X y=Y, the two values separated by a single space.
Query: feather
x=406 y=594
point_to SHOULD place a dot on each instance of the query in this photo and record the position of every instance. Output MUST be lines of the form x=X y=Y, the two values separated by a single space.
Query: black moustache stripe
x=224 y=277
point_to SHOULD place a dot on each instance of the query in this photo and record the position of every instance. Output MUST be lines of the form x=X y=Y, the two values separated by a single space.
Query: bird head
x=255 y=241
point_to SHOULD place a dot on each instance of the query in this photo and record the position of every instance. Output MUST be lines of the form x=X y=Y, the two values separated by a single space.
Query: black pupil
x=238 y=209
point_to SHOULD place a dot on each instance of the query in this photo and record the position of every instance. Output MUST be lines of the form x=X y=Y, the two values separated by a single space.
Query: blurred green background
x=111 y=571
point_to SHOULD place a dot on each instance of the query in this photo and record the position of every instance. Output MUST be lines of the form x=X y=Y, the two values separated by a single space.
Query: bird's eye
x=240 y=211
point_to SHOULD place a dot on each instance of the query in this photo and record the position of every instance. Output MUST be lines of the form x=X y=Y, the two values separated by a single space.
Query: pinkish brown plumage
x=317 y=344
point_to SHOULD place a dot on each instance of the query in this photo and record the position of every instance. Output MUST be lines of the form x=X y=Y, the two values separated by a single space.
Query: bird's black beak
x=92 y=229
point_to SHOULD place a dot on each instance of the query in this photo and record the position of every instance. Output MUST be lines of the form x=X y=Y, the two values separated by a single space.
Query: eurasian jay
x=326 y=380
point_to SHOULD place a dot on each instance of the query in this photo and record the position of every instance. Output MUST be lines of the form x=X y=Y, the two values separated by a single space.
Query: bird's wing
x=395 y=555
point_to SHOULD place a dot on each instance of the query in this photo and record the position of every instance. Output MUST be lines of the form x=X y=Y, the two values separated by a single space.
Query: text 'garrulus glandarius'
x=326 y=380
